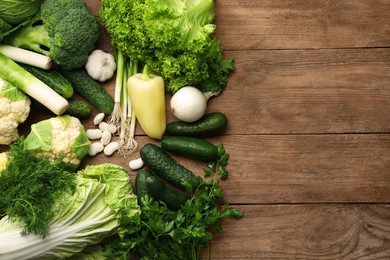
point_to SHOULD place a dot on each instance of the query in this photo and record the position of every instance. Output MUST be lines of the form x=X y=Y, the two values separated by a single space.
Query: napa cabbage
x=102 y=201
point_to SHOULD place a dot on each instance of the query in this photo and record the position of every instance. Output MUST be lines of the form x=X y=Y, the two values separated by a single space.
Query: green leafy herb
x=30 y=185
x=178 y=234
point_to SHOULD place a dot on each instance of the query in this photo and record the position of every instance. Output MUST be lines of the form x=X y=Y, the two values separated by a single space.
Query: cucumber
x=90 y=89
x=162 y=164
x=78 y=108
x=209 y=125
x=53 y=78
x=173 y=198
x=193 y=147
x=141 y=187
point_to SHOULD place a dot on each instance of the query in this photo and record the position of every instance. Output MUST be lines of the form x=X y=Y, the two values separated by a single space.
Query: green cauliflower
x=59 y=138
x=14 y=109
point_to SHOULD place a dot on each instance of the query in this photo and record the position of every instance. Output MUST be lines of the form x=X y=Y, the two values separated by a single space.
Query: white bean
x=95 y=148
x=98 y=118
x=103 y=126
x=106 y=137
x=111 y=148
x=94 y=134
x=136 y=164
x=111 y=128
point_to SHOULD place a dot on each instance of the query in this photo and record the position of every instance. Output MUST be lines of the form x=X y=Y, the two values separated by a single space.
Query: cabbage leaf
x=17 y=11
x=103 y=200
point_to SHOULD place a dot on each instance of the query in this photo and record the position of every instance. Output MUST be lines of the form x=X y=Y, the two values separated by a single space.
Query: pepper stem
x=145 y=75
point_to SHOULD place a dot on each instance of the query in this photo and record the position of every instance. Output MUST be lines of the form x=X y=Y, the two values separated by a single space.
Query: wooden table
x=309 y=129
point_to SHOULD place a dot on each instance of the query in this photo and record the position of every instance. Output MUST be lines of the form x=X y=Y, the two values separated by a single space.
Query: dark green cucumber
x=141 y=187
x=78 y=108
x=209 y=125
x=173 y=198
x=162 y=164
x=90 y=89
x=193 y=147
x=53 y=78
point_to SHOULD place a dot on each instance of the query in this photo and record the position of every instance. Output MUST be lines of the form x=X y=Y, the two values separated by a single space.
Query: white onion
x=188 y=104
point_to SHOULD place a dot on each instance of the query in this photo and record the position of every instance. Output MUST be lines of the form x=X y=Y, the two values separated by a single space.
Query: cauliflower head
x=14 y=109
x=61 y=138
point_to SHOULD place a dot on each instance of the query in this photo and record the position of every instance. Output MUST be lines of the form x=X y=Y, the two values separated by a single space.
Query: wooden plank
x=308 y=169
x=305 y=232
x=308 y=91
x=302 y=24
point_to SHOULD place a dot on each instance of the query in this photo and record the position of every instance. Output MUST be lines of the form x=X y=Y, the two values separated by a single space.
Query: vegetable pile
x=54 y=206
x=174 y=38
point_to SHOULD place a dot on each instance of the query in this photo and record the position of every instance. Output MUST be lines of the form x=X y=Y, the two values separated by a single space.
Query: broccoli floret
x=63 y=30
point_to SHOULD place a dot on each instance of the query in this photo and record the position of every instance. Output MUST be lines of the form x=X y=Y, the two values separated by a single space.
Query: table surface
x=309 y=128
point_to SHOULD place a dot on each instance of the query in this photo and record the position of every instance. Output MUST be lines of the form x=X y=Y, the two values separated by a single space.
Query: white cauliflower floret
x=59 y=138
x=62 y=137
x=12 y=113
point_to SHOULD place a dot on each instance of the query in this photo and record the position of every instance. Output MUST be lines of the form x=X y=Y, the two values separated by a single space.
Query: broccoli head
x=64 y=30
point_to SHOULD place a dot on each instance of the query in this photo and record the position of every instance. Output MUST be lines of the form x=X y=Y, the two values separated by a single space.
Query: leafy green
x=174 y=38
x=101 y=201
x=10 y=91
x=16 y=11
x=175 y=234
x=64 y=30
x=61 y=137
x=30 y=185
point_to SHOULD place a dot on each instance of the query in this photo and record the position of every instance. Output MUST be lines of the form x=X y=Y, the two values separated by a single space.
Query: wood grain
x=302 y=24
x=341 y=231
x=308 y=91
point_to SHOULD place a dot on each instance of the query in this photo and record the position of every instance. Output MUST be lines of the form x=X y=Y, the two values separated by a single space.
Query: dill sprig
x=30 y=185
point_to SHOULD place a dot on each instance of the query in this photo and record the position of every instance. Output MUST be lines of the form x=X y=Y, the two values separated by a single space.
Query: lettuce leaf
x=174 y=38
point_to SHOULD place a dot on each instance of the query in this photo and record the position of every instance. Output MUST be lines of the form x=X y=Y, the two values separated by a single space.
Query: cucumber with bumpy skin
x=78 y=108
x=90 y=89
x=193 y=147
x=141 y=187
x=209 y=125
x=173 y=198
x=162 y=164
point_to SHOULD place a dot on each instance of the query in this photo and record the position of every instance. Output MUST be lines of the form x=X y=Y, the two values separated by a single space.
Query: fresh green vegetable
x=147 y=95
x=175 y=234
x=218 y=167
x=174 y=38
x=210 y=124
x=123 y=116
x=26 y=56
x=172 y=198
x=162 y=164
x=193 y=147
x=16 y=11
x=64 y=30
x=30 y=185
x=78 y=108
x=141 y=187
x=90 y=89
x=100 y=205
x=53 y=78
x=15 y=108
x=59 y=138
x=32 y=86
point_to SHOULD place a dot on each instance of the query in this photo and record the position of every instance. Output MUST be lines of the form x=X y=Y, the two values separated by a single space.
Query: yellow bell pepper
x=147 y=96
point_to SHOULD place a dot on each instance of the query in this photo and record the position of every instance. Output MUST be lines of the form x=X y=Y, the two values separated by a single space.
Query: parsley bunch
x=169 y=234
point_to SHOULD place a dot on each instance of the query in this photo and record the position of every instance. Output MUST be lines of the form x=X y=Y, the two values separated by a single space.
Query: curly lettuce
x=174 y=38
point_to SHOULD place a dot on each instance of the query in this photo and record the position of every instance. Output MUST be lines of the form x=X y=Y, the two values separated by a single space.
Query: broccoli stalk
x=63 y=30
